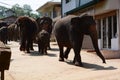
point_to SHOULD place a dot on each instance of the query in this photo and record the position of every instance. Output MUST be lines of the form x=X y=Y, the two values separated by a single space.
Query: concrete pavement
x=47 y=67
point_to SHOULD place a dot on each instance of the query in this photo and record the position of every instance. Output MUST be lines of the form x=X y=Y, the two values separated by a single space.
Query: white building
x=50 y=9
x=107 y=15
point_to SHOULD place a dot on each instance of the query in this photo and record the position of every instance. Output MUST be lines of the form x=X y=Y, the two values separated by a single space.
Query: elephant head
x=13 y=32
x=83 y=24
x=45 y=23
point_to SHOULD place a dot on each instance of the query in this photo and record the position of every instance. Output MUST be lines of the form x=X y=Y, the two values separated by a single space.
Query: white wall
x=68 y=6
x=107 y=6
x=114 y=43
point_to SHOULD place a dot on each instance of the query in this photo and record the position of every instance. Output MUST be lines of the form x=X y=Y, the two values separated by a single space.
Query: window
x=99 y=28
x=83 y=2
x=114 y=26
x=67 y=1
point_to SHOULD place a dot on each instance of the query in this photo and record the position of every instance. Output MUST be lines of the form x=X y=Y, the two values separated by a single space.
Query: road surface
x=47 y=67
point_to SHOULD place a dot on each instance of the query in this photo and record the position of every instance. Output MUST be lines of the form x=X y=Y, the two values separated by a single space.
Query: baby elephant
x=43 y=41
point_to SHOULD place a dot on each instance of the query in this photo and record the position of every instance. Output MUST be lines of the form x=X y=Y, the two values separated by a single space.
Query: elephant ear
x=75 y=21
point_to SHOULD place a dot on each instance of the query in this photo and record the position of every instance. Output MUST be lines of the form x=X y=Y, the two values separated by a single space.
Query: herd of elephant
x=69 y=32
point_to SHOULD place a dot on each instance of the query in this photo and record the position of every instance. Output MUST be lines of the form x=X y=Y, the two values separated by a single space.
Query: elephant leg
x=28 y=45
x=67 y=52
x=39 y=48
x=61 y=56
x=31 y=45
x=45 y=50
x=48 y=46
x=77 y=44
x=22 y=45
x=42 y=51
x=27 y=48
x=93 y=35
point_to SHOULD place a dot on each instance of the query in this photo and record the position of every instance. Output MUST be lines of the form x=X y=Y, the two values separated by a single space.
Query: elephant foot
x=78 y=64
x=66 y=56
x=42 y=53
x=45 y=53
x=28 y=51
x=48 y=48
x=22 y=49
x=32 y=49
x=61 y=59
x=104 y=61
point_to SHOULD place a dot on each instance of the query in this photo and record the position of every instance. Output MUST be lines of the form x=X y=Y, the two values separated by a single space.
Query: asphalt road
x=47 y=67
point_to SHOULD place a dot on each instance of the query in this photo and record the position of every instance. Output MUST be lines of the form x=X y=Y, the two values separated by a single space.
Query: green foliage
x=23 y=11
x=19 y=11
x=2 y=11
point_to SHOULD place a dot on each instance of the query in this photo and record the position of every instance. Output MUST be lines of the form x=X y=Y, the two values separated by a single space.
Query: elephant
x=28 y=29
x=69 y=32
x=3 y=34
x=46 y=24
x=42 y=39
x=13 y=32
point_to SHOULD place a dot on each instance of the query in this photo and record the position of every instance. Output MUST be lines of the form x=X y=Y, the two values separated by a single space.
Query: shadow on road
x=36 y=53
x=97 y=67
x=93 y=66
x=54 y=49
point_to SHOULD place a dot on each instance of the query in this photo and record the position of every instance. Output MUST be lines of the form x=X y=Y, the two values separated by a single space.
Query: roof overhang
x=91 y=3
x=106 y=13
x=47 y=5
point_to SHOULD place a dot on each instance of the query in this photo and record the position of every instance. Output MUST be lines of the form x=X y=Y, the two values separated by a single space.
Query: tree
x=18 y=10
x=2 y=11
x=34 y=15
x=27 y=9
x=24 y=11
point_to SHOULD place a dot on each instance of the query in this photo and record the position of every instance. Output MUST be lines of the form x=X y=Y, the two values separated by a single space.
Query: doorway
x=106 y=32
x=107 y=29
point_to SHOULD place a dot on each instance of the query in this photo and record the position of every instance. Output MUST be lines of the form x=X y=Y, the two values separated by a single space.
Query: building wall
x=47 y=12
x=106 y=5
x=101 y=10
x=57 y=11
x=50 y=10
x=105 y=8
x=9 y=20
x=68 y=6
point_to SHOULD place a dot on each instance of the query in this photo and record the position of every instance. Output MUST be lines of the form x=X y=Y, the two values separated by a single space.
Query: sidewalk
x=47 y=67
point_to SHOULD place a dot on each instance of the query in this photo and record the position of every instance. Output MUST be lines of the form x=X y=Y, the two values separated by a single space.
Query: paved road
x=47 y=67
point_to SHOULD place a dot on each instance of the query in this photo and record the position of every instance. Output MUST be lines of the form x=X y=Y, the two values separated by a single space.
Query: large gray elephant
x=28 y=30
x=69 y=32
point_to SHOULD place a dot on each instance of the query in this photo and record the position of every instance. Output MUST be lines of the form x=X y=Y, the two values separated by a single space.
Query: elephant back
x=27 y=24
x=3 y=34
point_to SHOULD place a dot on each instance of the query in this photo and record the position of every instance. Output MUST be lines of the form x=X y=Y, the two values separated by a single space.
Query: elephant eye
x=41 y=22
x=46 y=22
